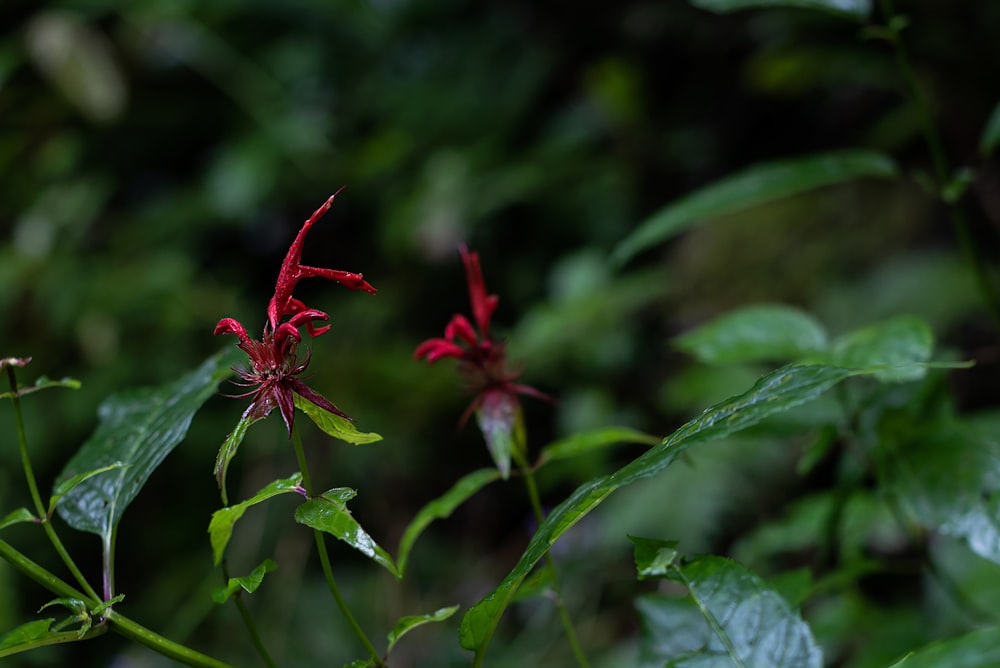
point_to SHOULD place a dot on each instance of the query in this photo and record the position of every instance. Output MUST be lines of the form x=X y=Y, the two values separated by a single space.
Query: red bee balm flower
x=483 y=365
x=274 y=362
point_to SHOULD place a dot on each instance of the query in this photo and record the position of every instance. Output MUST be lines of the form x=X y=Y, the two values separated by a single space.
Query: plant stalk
x=248 y=622
x=119 y=623
x=324 y=557
x=939 y=161
x=36 y=497
x=564 y=616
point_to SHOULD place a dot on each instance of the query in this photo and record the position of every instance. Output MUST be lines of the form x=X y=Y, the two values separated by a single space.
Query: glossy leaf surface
x=895 y=343
x=752 y=186
x=440 y=508
x=731 y=618
x=764 y=333
x=220 y=528
x=328 y=513
x=978 y=649
x=776 y=392
x=228 y=450
x=334 y=425
x=137 y=429
x=947 y=477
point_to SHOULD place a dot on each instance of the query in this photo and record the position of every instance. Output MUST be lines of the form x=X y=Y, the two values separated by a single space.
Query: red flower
x=482 y=360
x=274 y=361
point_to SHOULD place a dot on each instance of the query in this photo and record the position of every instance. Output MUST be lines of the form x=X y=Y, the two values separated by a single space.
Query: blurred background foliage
x=159 y=155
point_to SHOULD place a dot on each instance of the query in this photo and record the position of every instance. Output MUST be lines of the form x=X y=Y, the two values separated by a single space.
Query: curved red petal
x=435 y=349
x=460 y=326
x=231 y=326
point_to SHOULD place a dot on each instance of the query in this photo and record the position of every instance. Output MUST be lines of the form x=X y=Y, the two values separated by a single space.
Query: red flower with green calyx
x=482 y=363
x=274 y=361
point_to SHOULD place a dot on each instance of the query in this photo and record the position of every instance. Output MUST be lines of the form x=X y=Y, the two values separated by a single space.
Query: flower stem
x=36 y=497
x=939 y=161
x=324 y=557
x=248 y=622
x=564 y=617
x=119 y=623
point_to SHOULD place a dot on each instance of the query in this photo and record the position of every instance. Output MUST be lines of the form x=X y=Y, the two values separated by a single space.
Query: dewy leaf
x=334 y=425
x=753 y=186
x=991 y=133
x=407 y=624
x=895 y=344
x=63 y=488
x=138 y=429
x=735 y=620
x=583 y=442
x=764 y=333
x=248 y=583
x=220 y=528
x=501 y=422
x=776 y=392
x=228 y=450
x=977 y=649
x=440 y=508
x=856 y=9
x=947 y=477
x=328 y=513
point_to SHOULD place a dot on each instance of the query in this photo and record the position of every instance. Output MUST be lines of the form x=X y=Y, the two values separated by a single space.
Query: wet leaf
x=753 y=186
x=328 y=513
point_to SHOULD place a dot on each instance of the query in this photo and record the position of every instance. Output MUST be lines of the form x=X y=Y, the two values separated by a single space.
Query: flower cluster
x=482 y=359
x=274 y=360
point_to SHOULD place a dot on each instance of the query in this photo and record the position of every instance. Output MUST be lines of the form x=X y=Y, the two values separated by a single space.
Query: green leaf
x=947 y=477
x=17 y=516
x=654 y=558
x=588 y=441
x=895 y=344
x=31 y=635
x=63 y=488
x=776 y=392
x=248 y=583
x=220 y=528
x=440 y=508
x=43 y=383
x=334 y=425
x=328 y=513
x=406 y=624
x=137 y=429
x=750 y=187
x=991 y=133
x=855 y=9
x=763 y=333
x=977 y=649
x=228 y=450
x=735 y=620
x=502 y=423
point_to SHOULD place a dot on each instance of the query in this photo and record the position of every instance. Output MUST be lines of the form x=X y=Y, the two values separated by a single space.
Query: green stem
x=939 y=161
x=36 y=497
x=119 y=623
x=324 y=558
x=248 y=622
x=564 y=617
